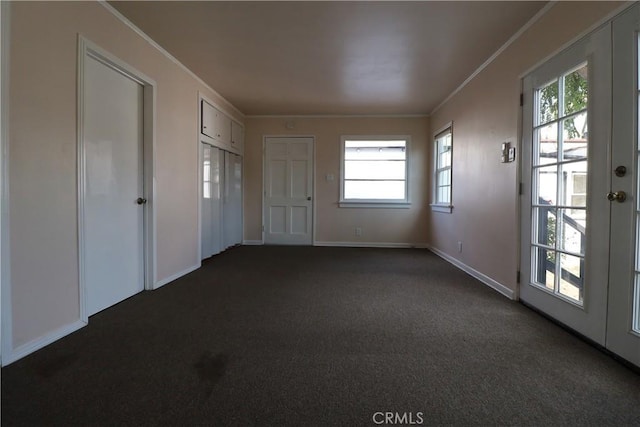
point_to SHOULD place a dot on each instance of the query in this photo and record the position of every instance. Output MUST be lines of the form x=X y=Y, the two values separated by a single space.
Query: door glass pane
x=546 y=180
x=546 y=138
x=576 y=90
x=545 y=228
x=571 y=276
x=574 y=137
x=548 y=103
x=572 y=231
x=560 y=178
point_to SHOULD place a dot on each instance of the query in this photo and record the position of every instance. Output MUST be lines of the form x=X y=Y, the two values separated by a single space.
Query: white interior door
x=114 y=193
x=211 y=217
x=623 y=328
x=565 y=174
x=288 y=191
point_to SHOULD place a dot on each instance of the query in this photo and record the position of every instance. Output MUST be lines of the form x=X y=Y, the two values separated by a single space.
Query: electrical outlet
x=460 y=247
x=358 y=231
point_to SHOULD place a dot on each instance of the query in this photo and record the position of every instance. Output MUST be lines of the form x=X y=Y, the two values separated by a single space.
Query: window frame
x=436 y=205
x=376 y=203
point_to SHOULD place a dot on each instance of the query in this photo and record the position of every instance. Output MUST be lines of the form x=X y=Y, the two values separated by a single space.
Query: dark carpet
x=304 y=336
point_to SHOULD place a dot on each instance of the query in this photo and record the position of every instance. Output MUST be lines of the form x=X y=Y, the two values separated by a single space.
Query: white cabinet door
x=223 y=128
x=237 y=137
x=208 y=119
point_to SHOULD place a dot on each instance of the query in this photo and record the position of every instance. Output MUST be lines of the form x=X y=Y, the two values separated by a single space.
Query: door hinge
x=521 y=99
x=263 y=228
x=518 y=277
x=520 y=189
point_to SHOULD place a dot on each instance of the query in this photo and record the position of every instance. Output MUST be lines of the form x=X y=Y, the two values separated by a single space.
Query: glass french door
x=580 y=255
x=565 y=222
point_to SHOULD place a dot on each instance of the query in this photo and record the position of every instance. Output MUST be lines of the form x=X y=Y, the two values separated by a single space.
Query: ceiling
x=326 y=58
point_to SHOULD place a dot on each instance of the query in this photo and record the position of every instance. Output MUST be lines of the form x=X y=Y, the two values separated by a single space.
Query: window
x=443 y=155
x=374 y=171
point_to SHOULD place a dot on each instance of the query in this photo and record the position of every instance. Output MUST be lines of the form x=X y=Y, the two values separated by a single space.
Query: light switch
x=330 y=177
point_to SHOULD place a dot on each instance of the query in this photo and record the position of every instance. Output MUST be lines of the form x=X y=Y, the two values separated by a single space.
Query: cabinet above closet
x=217 y=129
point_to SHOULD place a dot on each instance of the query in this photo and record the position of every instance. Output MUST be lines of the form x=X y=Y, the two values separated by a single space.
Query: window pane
x=443 y=178
x=574 y=137
x=576 y=90
x=573 y=229
x=572 y=276
x=375 y=150
x=354 y=169
x=578 y=169
x=545 y=262
x=374 y=190
x=548 y=103
x=546 y=139
x=443 y=195
x=544 y=226
x=546 y=179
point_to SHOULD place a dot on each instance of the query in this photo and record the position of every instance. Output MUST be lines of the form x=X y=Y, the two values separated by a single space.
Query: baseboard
x=38 y=343
x=497 y=286
x=169 y=279
x=371 y=245
x=252 y=242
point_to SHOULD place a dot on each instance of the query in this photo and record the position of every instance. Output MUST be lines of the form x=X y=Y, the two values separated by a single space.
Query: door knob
x=141 y=201
x=309 y=198
x=617 y=196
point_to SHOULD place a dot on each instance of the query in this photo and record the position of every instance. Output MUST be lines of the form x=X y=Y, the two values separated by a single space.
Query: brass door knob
x=617 y=196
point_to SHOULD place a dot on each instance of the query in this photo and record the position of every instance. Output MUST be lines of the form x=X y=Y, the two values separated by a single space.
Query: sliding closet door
x=232 y=199
x=211 y=201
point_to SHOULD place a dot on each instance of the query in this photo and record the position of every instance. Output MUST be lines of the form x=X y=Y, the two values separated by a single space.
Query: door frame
x=313 y=184
x=87 y=48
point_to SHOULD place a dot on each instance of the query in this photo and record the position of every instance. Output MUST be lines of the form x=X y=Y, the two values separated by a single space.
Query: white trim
x=86 y=48
x=6 y=330
x=497 y=286
x=605 y=20
x=252 y=242
x=176 y=276
x=336 y=116
x=374 y=204
x=372 y=245
x=497 y=53
x=441 y=208
x=443 y=129
x=40 y=342
x=139 y=32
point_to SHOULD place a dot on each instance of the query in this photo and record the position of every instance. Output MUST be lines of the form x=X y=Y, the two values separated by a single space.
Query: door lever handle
x=617 y=196
x=141 y=201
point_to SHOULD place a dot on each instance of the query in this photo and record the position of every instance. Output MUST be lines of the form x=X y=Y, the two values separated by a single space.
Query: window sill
x=442 y=208
x=370 y=204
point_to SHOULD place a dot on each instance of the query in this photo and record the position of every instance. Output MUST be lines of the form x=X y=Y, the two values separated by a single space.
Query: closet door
x=211 y=201
x=237 y=198
x=206 y=205
x=232 y=199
